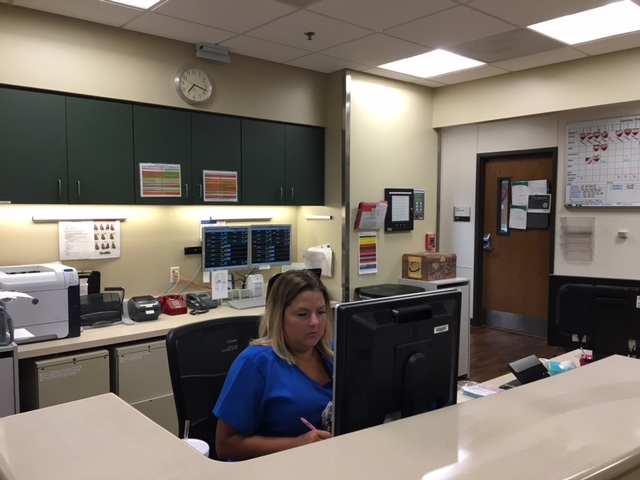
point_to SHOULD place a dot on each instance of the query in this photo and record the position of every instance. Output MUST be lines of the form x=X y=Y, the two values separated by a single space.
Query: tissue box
x=429 y=266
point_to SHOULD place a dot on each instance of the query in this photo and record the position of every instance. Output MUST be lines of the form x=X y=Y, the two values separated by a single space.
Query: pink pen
x=307 y=423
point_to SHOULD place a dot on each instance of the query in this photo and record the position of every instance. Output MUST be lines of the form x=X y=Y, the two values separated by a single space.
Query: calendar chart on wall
x=603 y=163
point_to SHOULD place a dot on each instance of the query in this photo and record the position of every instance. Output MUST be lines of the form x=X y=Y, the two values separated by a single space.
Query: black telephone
x=200 y=302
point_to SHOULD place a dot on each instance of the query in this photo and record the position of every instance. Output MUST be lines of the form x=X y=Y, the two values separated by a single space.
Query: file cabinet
x=140 y=376
x=53 y=380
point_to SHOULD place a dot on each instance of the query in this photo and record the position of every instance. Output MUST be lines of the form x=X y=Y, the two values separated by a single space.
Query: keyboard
x=243 y=303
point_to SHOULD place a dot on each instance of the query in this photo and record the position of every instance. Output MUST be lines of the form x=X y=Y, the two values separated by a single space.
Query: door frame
x=478 y=263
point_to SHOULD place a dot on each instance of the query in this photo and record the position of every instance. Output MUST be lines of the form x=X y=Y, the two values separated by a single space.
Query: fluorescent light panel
x=613 y=19
x=437 y=62
x=143 y=4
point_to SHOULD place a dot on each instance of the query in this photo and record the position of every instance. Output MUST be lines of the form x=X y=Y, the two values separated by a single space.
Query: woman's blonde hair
x=284 y=291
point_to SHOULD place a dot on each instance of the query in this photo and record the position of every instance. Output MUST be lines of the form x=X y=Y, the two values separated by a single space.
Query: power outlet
x=174 y=273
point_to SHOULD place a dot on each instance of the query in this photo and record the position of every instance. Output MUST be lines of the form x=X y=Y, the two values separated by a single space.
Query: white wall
x=393 y=145
x=613 y=257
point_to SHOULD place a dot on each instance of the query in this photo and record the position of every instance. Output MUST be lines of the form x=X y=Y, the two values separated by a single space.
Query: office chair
x=200 y=355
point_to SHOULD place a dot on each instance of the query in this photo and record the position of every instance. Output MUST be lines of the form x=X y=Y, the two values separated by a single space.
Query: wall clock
x=193 y=85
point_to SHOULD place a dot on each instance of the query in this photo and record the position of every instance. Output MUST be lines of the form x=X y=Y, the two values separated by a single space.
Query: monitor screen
x=225 y=247
x=602 y=318
x=270 y=245
x=395 y=357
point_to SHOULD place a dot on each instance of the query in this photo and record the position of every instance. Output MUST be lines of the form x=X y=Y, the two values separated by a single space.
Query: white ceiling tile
x=291 y=29
x=235 y=15
x=527 y=12
x=381 y=72
x=540 y=59
x=612 y=44
x=451 y=27
x=376 y=49
x=355 y=34
x=476 y=73
x=428 y=83
x=322 y=63
x=93 y=10
x=379 y=14
x=253 y=47
x=514 y=43
x=177 y=29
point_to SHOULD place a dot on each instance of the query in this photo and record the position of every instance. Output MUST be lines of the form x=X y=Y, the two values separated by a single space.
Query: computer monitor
x=270 y=245
x=395 y=357
x=225 y=247
x=599 y=317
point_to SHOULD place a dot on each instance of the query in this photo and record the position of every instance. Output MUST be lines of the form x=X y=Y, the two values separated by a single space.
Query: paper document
x=518 y=217
x=20 y=333
x=219 y=284
x=320 y=256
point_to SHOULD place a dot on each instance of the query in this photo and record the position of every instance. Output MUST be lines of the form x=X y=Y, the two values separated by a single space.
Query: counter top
x=122 y=333
x=582 y=424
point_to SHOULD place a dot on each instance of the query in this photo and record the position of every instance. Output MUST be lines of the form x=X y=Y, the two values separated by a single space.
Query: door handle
x=486 y=242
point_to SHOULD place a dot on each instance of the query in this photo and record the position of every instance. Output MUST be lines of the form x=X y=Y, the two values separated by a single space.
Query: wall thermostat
x=418 y=204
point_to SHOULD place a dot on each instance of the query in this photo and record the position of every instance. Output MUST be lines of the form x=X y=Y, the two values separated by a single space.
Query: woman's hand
x=313 y=436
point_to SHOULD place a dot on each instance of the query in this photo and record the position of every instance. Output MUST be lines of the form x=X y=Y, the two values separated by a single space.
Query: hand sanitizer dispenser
x=255 y=283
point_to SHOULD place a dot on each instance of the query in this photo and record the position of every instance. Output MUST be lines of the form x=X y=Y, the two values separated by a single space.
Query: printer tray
x=100 y=319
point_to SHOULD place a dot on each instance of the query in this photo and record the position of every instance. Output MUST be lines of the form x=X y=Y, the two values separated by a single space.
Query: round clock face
x=193 y=85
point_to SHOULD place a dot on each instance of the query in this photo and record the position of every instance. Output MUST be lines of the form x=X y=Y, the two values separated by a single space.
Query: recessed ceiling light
x=437 y=62
x=143 y=4
x=613 y=19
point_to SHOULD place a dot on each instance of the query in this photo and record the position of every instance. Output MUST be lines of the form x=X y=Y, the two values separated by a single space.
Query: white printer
x=55 y=311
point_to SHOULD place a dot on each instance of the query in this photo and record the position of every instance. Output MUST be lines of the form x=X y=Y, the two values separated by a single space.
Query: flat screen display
x=270 y=245
x=225 y=248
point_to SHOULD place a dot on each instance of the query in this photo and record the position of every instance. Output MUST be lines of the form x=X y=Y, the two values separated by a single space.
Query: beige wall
x=48 y=52
x=393 y=145
x=587 y=82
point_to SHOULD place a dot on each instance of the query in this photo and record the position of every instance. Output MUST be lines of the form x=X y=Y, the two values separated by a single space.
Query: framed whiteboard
x=603 y=163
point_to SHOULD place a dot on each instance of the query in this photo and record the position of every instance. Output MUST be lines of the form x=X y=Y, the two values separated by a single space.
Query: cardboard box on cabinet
x=429 y=266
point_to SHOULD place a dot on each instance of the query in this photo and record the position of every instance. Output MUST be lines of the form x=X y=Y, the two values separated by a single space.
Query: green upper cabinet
x=162 y=156
x=100 y=152
x=304 y=165
x=33 y=150
x=262 y=175
x=282 y=164
x=215 y=149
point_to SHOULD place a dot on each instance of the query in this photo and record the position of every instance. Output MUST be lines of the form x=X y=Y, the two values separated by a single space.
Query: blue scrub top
x=264 y=395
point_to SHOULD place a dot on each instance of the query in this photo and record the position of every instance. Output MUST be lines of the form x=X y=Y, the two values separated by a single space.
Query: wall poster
x=603 y=163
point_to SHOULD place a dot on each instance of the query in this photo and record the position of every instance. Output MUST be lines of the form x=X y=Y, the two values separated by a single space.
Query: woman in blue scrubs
x=278 y=387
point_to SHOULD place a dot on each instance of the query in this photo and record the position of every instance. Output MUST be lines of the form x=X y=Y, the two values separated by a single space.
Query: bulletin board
x=603 y=163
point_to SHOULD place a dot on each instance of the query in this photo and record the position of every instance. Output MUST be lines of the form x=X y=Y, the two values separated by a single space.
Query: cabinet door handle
x=78 y=188
x=201 y=192
x=281 y=193
x=59 y=188
x=291 y=193
x=186 y=190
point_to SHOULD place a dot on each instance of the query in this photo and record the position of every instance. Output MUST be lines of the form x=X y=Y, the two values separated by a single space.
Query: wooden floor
x=492 y=350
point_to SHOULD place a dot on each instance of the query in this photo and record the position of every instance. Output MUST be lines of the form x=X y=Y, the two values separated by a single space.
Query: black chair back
x=200 y=355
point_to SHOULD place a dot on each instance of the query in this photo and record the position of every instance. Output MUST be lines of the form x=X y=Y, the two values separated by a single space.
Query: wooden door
x=514 y=267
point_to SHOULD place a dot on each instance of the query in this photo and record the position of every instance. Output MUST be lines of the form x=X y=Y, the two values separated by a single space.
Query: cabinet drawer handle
x=78 y=188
